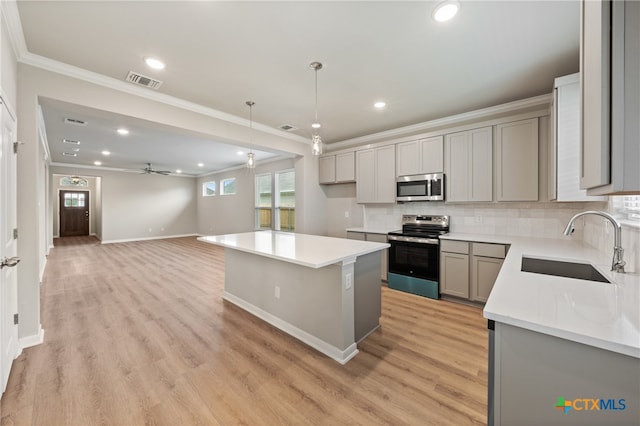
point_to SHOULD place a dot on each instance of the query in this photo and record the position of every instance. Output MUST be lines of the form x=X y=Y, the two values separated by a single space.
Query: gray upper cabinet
x=610 y=89
x=468 y=165
x=517 y=161
x=420 y=157
x=375 y=175
x=564 y=154
x=338 y=168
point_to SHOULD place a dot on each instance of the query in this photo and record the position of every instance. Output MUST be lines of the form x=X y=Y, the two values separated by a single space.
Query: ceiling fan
x=151 y=171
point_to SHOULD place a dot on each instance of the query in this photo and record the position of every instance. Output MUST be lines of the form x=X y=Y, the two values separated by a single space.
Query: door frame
x=88 y=207
x=10 y=346
x=59 y=207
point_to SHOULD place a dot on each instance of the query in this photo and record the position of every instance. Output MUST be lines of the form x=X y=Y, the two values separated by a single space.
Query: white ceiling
x=221 y=54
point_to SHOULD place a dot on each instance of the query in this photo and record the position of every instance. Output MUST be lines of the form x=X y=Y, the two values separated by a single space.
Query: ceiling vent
x=75 y=121
x=287 y=128
x=71 y=141
x=143 y=80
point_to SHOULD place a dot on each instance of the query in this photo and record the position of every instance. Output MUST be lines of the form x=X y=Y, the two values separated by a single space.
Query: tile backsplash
x=518 y=219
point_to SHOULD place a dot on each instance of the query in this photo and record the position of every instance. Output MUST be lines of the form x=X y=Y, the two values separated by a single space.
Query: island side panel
x=367 y=294
x=535 y=369
x=310 y=299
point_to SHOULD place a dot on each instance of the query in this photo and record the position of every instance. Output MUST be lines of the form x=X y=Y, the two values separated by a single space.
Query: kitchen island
x=562 y=351
x=323 y=291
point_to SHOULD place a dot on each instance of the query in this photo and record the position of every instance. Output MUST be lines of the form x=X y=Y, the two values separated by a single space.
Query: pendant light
x=251 y=160
x=316 y=140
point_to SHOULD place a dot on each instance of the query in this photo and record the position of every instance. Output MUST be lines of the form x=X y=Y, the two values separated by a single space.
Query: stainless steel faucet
x=617 y=264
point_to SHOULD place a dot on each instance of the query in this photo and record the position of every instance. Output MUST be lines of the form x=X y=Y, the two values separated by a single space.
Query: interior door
x=74 y=213
x=8 y=247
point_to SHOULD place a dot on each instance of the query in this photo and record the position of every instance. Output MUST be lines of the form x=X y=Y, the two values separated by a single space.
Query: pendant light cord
x=316 y=94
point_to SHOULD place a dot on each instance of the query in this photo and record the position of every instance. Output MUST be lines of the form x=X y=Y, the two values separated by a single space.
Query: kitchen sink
x=559 y=268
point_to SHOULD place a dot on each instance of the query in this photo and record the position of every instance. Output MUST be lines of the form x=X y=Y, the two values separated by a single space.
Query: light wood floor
x=137 y=333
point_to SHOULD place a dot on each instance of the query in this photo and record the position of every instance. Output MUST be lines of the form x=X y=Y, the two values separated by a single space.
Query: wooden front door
x=74 y=213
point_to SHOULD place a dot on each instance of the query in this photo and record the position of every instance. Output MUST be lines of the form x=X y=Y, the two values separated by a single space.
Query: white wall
x=138 y=206
x=228 y=214
x=343 y=211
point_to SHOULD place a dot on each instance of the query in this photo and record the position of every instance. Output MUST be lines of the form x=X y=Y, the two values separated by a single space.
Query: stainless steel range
x=414 y=255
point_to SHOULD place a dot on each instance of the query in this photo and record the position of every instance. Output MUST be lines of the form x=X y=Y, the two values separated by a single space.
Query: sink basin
x=559 y=268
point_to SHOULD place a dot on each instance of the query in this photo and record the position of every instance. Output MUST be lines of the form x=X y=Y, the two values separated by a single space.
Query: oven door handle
x=418 y=240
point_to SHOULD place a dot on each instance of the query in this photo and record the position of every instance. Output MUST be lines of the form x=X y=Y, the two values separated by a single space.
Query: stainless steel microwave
x=420 y=188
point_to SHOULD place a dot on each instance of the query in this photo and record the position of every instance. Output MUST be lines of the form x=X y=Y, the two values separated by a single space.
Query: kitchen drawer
x=489 y=250
x=451 y=246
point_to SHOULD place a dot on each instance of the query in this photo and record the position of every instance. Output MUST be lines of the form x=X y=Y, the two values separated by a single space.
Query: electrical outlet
x=478 y=218
x=277 y=292
x=346 y=214
x=348 y=281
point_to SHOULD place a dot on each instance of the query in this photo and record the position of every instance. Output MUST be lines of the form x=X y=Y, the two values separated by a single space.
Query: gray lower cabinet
x=468 y=270
x=454 y=268
x=538 y=379
x=376 y=238
x=485 y=265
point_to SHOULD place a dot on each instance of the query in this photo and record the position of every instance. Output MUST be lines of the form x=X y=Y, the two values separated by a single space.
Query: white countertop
x=597 y=314
x=313 y=251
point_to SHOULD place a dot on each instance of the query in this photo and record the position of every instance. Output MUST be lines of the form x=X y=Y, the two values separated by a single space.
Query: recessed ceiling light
x=316 y=125
x=154 y=63
x=445 y=10
x=178 y=171
x=200 y=164
x=105 y=152
x=75 y=149
x=380 y=104
x=69 y=154
x=123 y=131
x=98 y=163
x=240 y=152
x=71 y=141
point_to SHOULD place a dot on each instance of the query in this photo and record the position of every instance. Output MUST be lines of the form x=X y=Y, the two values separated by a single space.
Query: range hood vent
x=75 y=121
x=143 y=80
x=287 y=127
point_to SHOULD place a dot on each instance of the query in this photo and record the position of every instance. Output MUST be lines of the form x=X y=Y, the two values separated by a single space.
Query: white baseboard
x=163 y=237
x=33 y=340
x=342 y=356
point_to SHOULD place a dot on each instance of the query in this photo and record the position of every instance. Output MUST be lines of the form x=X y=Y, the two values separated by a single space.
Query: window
x=627 y=207
x=208 y=189
x=228 y=186
x=286 y=200
x=264 y=201
x=73 y=181
x=74 y=199
x=276 y=209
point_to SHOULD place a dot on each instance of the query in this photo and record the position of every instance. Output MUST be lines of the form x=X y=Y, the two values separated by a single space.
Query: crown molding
x=450 y=121
x=242 y=166
x=11 y=18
